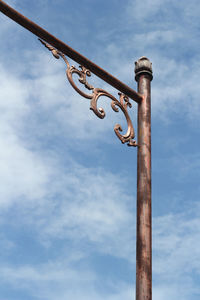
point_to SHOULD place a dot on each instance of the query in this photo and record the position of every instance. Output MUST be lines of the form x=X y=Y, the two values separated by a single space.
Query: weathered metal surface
x=95 y=94
x=58 y=44
x=143 y=71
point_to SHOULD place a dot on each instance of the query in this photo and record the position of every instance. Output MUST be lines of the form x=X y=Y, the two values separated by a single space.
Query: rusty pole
x=143 y=75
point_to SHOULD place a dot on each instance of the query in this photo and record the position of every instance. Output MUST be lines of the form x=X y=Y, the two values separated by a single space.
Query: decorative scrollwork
x=122 y=104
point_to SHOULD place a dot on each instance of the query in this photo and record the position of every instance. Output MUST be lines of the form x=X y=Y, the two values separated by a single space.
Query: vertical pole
x=143 y=75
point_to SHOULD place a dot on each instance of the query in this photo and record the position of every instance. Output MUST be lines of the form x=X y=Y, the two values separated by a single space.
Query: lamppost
x=143 y=76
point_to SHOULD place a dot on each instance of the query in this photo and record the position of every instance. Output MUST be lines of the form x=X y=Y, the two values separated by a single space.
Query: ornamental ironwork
x=123 y=103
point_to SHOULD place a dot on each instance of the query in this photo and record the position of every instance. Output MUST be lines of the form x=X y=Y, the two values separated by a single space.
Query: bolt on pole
x=143 y=76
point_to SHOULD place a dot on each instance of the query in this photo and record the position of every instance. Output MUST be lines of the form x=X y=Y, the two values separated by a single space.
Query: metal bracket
x=123 y=103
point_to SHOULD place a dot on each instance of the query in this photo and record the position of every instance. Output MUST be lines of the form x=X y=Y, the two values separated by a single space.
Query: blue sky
x=68 y=186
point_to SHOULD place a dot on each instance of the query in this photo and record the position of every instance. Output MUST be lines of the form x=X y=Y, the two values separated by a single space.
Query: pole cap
x=143 y=66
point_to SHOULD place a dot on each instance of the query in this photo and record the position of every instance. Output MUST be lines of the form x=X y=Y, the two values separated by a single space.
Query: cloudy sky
x=68 y=185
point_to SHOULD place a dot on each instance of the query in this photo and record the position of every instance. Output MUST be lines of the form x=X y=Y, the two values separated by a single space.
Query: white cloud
x=141 y=10
x=92 y=207
x=176 y=252
x=95 y=211
x=57 y=280
x=90 y=200
x=22 y=172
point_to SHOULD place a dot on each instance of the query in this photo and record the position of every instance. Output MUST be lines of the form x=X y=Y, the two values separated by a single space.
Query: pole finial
x=143 y=66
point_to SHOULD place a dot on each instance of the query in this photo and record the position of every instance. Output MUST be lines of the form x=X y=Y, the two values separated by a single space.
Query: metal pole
x=65 y=49
x=143 y=75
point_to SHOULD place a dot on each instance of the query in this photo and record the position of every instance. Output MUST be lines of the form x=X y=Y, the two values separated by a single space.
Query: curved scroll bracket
x=123 y=103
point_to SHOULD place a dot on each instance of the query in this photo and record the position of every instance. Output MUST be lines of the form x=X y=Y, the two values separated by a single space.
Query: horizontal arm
x=65 y=49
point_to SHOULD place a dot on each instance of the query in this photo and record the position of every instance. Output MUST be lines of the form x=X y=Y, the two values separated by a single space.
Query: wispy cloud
x=176 y=252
